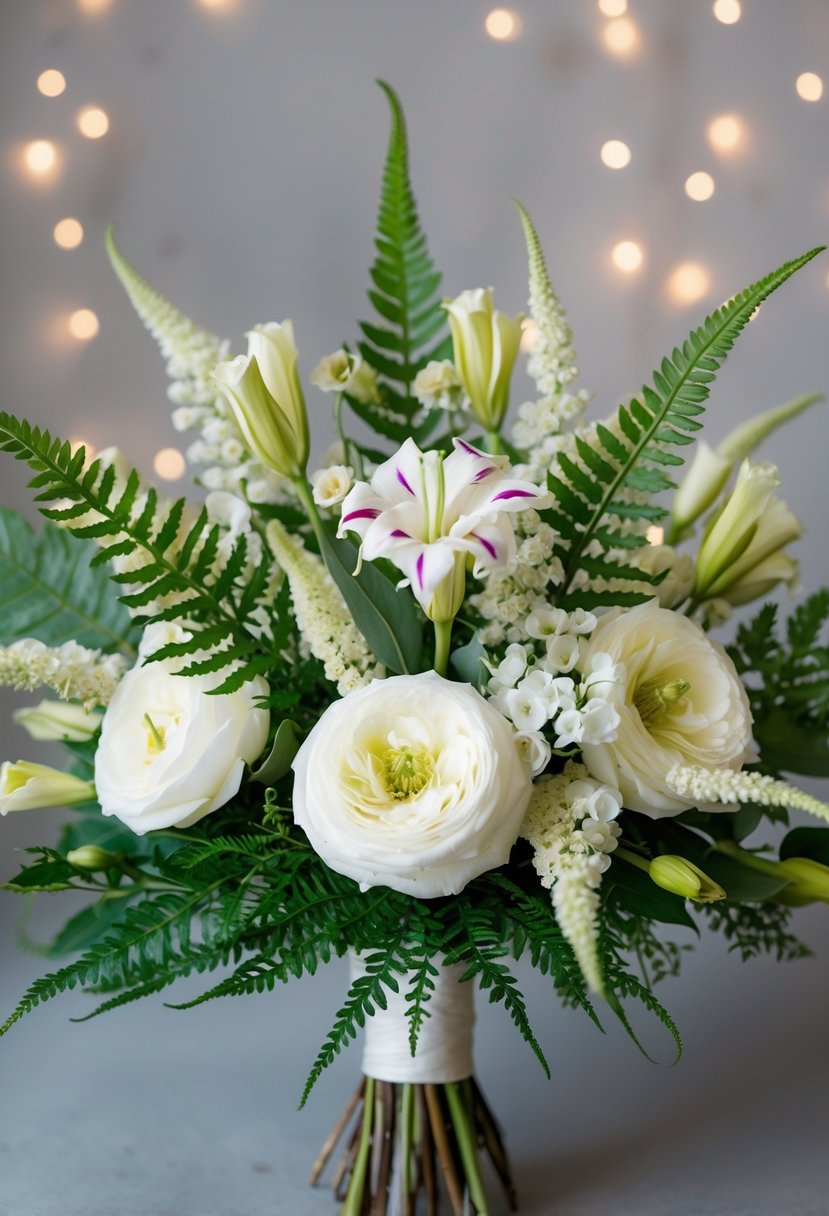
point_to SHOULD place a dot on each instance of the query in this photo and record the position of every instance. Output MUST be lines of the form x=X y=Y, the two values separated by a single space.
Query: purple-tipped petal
x=402 y=479
x=362 y=513
x=504 y=494
x=419 y=569
x=399 y=534
x=487 y=544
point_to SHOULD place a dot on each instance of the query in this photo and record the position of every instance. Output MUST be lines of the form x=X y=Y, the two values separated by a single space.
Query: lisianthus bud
x=763 y=564
x=732 y=530
x=91 y=857
x=344 y=372
x=25 y=786
x=683 y=878
x=486 y=343
x=53 y=720
x=266 y=398
x=809 y=881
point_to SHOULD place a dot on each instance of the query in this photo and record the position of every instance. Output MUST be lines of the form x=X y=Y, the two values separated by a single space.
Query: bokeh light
x=655 y=534
x=93 y=122
x=94 y=6
x=621 y=37
x=503 y=24
x=615 y=154
x=169 y=464
x=83 y=324
x=688 y=282
x=725 y=133
x=529 y=334
x=613 y=8
x=68 y=233
x=51 y=83
x=809 y=86
x=727 y=11
x=40 y=156
x=699 y=186
x=627 y=256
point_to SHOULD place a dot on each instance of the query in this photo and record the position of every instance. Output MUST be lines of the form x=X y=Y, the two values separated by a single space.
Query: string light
x=727 y=11
x=627 y=256
x=725 y=133
x=529 y=334
x=503 y=24
x=40 y=156
x=169 y=464
x=51 y=83
x=613 y=8
x=93 y=122
x=809 y=86
x=68 y=233
x=621 y=37
x=655 y=534
x=83 y=324
x=689 y=282
x=615 y=154
x=699 y=186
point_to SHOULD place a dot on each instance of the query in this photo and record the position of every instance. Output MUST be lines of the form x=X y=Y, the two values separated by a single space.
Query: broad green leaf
x=636 y=892
x=785 y=745
x=49 y=591
x=279 y=759
x=468 y=662
x=806 y=842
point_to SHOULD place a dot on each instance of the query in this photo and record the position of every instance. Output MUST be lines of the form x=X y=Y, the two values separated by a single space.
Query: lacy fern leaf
x=404 y=294
x=602 y=485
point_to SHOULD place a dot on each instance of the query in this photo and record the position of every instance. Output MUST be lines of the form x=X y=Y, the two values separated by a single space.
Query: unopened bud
x=683 y=878
x=809 y=881
x=91 y=857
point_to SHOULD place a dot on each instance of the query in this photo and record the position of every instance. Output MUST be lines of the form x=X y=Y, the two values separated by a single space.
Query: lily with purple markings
x=428 y=513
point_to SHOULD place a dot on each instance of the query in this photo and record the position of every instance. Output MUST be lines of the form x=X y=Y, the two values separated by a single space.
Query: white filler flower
x=681 y=702
x=170 y=753
x=414 y=783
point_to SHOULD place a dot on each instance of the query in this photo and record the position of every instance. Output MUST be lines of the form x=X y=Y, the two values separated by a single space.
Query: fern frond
x=404 y=293
x=636 y=446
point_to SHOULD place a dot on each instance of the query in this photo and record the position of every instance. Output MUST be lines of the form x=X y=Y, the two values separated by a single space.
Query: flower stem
x=493 y=443
x=632 y=859
x=466 y=1145
x=306 y=497
x=353 y=1204
x=443 y=640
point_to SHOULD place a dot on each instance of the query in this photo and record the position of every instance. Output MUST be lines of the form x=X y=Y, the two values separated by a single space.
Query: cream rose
x=169 y=752
x=681 y=702
x=414 y=783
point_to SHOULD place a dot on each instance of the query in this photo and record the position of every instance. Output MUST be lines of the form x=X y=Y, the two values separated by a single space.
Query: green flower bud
x=683 y=878
x=25 y=786
x=486 y=343
x=809 y=879
x=91 y=857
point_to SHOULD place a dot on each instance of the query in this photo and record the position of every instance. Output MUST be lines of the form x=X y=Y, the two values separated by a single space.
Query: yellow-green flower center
x=652 y=699
x=407 y=770
x=156 y=736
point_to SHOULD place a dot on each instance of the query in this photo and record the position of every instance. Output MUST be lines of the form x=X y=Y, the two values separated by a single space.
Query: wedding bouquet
x=443 y=703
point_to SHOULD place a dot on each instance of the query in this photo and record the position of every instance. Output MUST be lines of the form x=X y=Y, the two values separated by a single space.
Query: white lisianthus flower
x=344 y=372
x=678 y=583
x=414 y=783
x=731 y=532
x=438 y=386
x=26 y=786
x=170 y=753
x=427 y=513
x=680 y=702
x=485 y=342
x=330 y=486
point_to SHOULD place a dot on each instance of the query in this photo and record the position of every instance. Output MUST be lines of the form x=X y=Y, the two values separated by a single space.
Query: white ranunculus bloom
x=170 y=753
x=678 y=583
x=680 y=702
x=414 y=783
x=331 y=485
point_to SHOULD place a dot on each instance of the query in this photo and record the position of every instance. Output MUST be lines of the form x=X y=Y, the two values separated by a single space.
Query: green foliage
x=757 y=928
x=177 y=578
x=404 y=294
x=806 y=842
x=606 y=483
x=49 y=591
x=788 y=685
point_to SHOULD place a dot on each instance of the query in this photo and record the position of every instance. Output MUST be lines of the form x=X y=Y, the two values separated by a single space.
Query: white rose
x=680 y=702
x=331 y=485
x=414 y=783
x=170 y=753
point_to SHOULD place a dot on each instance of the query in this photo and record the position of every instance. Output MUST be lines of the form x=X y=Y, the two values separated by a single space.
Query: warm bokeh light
x=94 y=6
x=93 y=122
x=169 y=464
x=613 y=8
x=503 y=24
x=809 y=86
x=725 y=133
x=688 y=283
x=627 y=256
x=217 y=6
x=655 y=534
x=83 y=324
x=699 y=186
x=68 y=233
x=621 y=37
x=51 y=83
x=89 y=451
x=529 y=334
x=40 y=156
x=727 y=11
x=615 y=154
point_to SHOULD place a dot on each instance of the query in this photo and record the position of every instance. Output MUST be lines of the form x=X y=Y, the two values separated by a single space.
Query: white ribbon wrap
x=444 y=1046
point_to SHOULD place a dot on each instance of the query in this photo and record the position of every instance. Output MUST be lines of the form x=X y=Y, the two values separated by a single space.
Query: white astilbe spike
x=569 y=826
x=724 y=785
x=321 y=613
x=74 y=672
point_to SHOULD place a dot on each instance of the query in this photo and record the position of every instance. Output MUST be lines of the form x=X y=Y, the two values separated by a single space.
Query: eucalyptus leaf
x=806 y=842
x=468 y=662
x=279 y=759
x=386 y=617
x=786 y=745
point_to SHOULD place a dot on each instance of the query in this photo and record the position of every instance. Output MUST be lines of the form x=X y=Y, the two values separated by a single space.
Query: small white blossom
x=562 y=652
x=331 y=485
x=547 y=622
x=74 y=672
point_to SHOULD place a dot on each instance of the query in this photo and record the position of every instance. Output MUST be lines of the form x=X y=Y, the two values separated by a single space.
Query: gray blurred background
x=241 y=168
